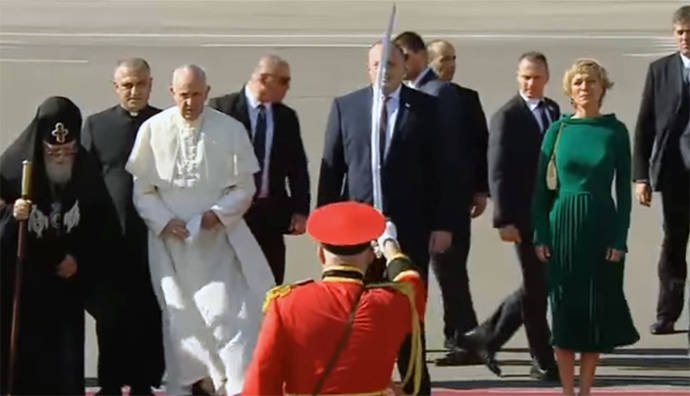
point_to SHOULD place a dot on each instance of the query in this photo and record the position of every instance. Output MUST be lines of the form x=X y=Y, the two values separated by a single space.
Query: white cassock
x=210 y=286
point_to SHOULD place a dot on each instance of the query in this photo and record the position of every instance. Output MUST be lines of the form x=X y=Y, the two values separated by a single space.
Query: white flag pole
x=376 y=102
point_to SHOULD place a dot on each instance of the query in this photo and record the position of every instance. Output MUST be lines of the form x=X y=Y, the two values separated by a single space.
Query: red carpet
x=551 y=392
x=531 y=391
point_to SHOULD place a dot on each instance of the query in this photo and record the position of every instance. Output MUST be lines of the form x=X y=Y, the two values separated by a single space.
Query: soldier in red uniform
x=338 y=336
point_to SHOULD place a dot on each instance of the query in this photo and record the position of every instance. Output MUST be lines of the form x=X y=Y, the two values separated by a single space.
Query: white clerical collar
x=131 y=113
x=531 y=103
x=251 y=99
x=686 y=61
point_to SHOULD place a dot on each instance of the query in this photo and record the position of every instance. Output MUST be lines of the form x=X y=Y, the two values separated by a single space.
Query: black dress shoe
x=450 y=344
x=661 y=327
x=203 y=387
x=109 y=391
x=475 y=343
x=459 y=357
x=142 y=390
x=547 y=375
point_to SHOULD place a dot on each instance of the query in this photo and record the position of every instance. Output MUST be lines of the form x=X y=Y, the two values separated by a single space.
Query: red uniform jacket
x=303 y=326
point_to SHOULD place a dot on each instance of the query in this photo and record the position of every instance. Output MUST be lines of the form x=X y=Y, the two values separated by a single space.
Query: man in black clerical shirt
x=128 y=322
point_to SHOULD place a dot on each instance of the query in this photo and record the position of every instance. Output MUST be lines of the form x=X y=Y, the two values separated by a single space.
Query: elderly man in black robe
x=128 y=319
x=67 y=244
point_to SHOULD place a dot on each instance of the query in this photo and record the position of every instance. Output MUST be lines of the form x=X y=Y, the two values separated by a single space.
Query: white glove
x=389 y=233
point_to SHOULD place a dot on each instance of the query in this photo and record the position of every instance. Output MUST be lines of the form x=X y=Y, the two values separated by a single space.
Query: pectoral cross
x=60 y=133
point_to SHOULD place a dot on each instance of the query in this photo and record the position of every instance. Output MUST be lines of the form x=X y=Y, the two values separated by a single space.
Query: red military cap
x=348 y=225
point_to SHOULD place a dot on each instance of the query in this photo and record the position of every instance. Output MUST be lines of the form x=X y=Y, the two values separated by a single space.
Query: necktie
x=541 y=109
x=383 y=128
x=260 y=145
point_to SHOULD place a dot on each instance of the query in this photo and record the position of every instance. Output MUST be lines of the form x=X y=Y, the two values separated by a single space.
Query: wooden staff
x=21 y=249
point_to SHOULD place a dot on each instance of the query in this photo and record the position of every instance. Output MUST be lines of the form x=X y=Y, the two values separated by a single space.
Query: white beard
x=58 y=174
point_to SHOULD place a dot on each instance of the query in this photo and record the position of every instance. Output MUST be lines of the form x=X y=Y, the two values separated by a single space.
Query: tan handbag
x=551 y=169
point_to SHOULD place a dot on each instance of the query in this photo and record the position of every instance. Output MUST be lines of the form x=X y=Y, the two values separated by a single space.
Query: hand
x=390 y=233
x=478 y=205
x=22 y=207
x=510 y=233
x=643 y=192
x=176 y=228
x=543 y=253
x=209 y=220
x=440 y=241
x=614 y=255
x=67 y=267
x=298 y=224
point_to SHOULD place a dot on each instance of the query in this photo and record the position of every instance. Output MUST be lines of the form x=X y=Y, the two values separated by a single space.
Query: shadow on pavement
x=674 y=363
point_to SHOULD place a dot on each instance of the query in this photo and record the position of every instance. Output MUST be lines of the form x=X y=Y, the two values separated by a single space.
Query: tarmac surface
x=69 y=48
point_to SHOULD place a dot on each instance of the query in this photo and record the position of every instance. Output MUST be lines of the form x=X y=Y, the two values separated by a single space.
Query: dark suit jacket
x=474 y=124
x=288 y=164
x=109 y=136
x=453 y=117
x=514 y=146
x=659 y=118
x=419 y=192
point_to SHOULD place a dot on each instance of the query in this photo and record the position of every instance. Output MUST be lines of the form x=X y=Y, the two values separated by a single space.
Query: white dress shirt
x=532 y=104
x=686 y=65
x=253 y=115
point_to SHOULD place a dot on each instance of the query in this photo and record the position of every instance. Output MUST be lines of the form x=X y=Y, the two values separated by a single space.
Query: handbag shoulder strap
x=341 y=344
x=558 y=139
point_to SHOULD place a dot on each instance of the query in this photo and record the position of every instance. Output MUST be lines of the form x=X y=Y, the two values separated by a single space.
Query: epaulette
x=280 y=291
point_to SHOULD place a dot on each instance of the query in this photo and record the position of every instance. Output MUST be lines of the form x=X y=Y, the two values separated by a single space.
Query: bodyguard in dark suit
x=661 y=160
x=515 y=136
x=417 y=170
x=450 y=266
x=128 y=318
x=275 y=133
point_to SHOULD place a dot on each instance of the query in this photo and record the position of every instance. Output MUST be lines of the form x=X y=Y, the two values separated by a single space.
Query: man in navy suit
x=417 y=168
x=661 y=160
x=450 y=267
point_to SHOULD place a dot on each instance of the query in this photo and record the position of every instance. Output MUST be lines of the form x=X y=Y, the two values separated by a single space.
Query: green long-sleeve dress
x=579 y=222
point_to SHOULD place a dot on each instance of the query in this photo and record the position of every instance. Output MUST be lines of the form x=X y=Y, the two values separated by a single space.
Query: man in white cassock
x=192 y=169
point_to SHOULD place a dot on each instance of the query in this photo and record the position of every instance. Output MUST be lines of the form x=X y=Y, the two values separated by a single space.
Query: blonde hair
x=590 y=67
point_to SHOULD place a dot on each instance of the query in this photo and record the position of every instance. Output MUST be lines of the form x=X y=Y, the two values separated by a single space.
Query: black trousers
x=450 y=269
x=268 y=227
x=672 y=269
x=526 y=305
x=273 y=247
x=418 y=252
x=128 y=322
x=130 y=339
x=404 y=359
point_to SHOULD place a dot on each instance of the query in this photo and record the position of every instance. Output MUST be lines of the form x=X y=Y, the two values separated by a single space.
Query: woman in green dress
x=581 y=230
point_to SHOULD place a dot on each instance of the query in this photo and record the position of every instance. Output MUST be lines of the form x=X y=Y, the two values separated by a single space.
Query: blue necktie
x=541 y=109
x=260 y=145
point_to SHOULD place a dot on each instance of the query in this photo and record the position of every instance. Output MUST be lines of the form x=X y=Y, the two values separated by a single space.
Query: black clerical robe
x=128 y=319
x=74 y=220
